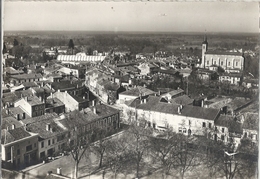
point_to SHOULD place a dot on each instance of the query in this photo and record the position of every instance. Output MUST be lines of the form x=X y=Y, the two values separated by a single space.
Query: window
x=209 y=125
x=215 y=62
x=49 y=142
x=207 y=62
x=180 y=129
x=221 y=63
x=28 y=148
x=228 y=63
x=42 y=144
x=184 y=130
x=42 y=154
x=34 y=145
x=236 y=63
x=52 y=141
x=216 y=128
x=223 y=130
x=8 y=156
x=203 y=124
x=18 y=151
x=222 y=137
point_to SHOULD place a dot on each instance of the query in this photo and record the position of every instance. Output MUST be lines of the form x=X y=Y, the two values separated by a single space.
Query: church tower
x=204 y=49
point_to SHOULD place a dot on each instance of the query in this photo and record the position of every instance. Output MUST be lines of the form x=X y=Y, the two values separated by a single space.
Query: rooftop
x=153 y=104
x=251 y=121
x=183 y=100
x=12 y=135
x=53 y=102
x=66 y=84
x=139 y=90
x=9 y=121
x=215 y=52
x=229 y=122
x=27 y=76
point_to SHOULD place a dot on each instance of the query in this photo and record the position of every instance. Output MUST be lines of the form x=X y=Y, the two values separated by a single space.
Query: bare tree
x=100 y=146
x=186 y=155
x=139 y=137
x=163 y=150
x=117 y=155
x=79 y=139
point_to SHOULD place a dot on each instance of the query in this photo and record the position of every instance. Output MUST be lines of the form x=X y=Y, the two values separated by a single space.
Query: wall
x=225 y=61
x=21 y=144
x=24 y=105
x=70 y=103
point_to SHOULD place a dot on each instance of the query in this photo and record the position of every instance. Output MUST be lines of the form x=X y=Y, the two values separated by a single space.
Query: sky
x=132 y=16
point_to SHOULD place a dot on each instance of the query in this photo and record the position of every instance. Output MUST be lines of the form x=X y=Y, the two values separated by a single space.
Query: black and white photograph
x=130 y=89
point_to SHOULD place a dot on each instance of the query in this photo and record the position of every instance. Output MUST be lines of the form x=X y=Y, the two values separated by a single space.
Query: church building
x=229 y=61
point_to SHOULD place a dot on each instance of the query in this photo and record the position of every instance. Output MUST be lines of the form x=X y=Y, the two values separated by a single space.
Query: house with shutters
x=50 y=132
x=18 y=148
x=31 y=105
x=160 y=115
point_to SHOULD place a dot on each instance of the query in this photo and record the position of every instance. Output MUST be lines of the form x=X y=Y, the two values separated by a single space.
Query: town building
x=51 y=134
x=161 y=115
x=229 y=61
x=31 y=105
x=78 y=59
x=134 y=93
x=18 y=148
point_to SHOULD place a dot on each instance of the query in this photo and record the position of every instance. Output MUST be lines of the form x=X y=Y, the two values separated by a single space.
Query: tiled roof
x=174 y=92
x=9 y=121
x=238 y=102
x=251 y=121
x=153 y=104
x=27 y=76
x=183 y=100
x=34 y=100
x=13 y=135
x=39 y=127
x=39 y=118
x=13 y=110
x=53 y=102
x=223 y=53
x=29 y=84
x=229 y=122
x=66 y=84
x=139 y=90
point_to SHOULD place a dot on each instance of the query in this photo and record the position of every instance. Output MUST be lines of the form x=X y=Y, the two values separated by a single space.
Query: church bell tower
x=204 y=49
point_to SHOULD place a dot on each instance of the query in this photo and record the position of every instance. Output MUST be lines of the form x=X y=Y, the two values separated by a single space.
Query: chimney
x=94 y=110
x=48 y=127
x=179 y=110
x=83 y=97
x=181 y=106
x=145 y=100
x=93 y=102
x=202 y=103
x=7 y=111
x=26 y=98
x=13 y=126
x=7 y=128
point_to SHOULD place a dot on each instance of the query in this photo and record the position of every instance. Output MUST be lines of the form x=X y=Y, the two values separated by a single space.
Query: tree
x=117 y=155
x=186 y=155
x=79 y=139
x=100 y=146
x=71 y=46
x=139 y=135
x=16 y=43
x=90 y=51
x=163 y=150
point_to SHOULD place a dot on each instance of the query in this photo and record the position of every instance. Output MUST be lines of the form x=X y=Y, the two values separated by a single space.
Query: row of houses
x=218 y=118
x=29 y=141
